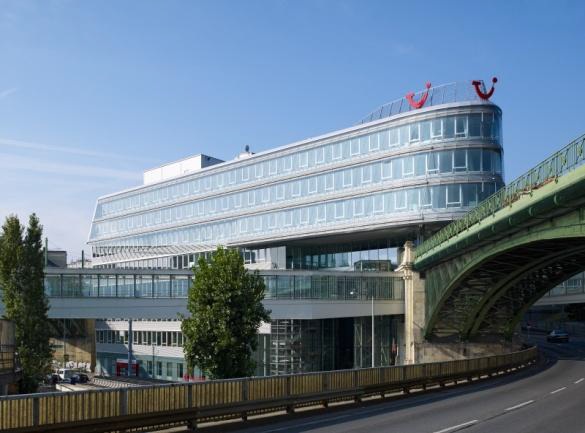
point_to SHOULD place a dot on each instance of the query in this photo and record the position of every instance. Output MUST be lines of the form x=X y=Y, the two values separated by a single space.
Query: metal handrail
x=460 y=91
x=561 y=162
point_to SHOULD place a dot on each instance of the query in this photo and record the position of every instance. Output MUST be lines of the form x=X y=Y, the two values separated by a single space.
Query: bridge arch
x=487 y=291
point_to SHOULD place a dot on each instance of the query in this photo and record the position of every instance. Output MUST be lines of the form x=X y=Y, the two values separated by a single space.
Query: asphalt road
x=550 y=399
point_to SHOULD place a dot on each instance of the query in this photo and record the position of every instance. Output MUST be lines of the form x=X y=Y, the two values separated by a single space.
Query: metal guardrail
x=565 y=160
x=460 y=91
x=176 y=404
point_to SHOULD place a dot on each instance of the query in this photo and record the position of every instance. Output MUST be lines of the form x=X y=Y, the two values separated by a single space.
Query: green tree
x=225 y=303
x=21 y=277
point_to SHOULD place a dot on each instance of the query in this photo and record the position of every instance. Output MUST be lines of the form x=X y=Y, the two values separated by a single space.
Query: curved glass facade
x=430 y=164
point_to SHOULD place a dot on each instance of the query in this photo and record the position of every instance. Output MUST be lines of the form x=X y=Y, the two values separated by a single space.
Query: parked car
x=80 y=378
x=558 y=336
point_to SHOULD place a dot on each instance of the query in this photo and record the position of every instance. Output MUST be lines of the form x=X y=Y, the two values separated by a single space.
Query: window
x=436 y=128
x=378 y=203
x=159 y=368
x=474 y=159
x=374 y=144
x=386 y=170
x=448 y=127
x=329 y=181
x=475 y=125
x=445 y=161
x=169 y=369
x=459 y=160
x=425 y=131
x=296 y=188
x=355 y=146
x=280 y=191
x=312 y=185
x=339 y=210
x=453 y=196
x=347 y=178
x=321 y=213
x=149 y=369
x=304 y=159
x=366 y=174
x=394 y=137
x=461 y=126
x=358 y=207
x=414 y=132
x=426 y=197
x=259 y=169
x=400 y=200
x=336 y=150
x=179 y=370
x=408 y=166
x=487 y=160
x=320 y=155
x=272 y=166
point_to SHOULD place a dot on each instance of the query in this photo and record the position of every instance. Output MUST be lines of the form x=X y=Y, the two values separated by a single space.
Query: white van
x=65 y=374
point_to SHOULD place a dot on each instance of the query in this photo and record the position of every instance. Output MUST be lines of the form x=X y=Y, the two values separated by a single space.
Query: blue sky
x=94 y=92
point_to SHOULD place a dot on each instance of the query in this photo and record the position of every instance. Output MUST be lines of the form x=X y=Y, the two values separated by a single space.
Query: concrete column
x=414 y=306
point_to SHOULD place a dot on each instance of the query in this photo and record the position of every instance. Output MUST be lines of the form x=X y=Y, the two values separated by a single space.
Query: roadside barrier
x=155 y=406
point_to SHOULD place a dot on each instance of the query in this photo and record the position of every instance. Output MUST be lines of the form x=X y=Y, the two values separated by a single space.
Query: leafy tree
x=225 y=302
x=21 y=277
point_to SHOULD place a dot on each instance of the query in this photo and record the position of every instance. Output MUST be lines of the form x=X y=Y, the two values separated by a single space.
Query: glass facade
x=424 y=164
x=361 y=191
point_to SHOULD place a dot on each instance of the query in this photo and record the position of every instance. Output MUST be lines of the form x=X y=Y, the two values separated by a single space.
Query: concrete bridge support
x=419 y=350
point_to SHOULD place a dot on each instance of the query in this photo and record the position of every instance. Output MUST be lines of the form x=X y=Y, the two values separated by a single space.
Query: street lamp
x=373 y=334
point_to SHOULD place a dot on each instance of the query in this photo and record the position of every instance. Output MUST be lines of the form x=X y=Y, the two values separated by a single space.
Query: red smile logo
x=421 y=101
x=480 y=89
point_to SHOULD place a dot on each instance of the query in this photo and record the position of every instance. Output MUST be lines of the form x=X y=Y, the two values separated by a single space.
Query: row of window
x=145 y=338
x=423 y=164
x=424 y=199
x=474 y=125
x=171 y=370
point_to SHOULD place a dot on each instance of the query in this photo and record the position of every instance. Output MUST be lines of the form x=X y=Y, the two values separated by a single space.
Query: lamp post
x=373 y=333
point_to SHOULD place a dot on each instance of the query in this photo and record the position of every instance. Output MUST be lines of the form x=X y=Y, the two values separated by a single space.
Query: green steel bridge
x=484 y=271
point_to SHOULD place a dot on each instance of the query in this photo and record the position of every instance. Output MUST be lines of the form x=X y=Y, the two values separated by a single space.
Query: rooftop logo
x=478 y=85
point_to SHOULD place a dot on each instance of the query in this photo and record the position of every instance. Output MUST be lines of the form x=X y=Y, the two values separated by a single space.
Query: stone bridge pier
x=417 y=348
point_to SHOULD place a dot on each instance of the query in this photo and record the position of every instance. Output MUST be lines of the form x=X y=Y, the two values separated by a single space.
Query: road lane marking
x=558 y=390
x=580 y=380
x=456 y=427
x=518 y=406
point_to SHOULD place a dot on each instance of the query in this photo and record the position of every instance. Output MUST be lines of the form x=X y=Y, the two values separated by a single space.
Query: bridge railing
x=176 y=404
x=567 y=159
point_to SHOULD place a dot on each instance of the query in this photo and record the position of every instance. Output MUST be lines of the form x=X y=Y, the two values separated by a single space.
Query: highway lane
x=551 y=399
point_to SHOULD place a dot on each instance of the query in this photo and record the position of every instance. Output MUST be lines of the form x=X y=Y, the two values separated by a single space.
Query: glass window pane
x=459 y=160
x=445 y=161
x=425 y=131
x=487 y=160
x=474 y=159
x=475 y=125
x=448 y=127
